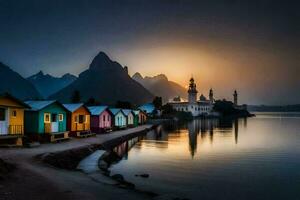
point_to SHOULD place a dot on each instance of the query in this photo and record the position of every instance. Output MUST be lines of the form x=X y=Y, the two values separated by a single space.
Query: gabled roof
x=127 y=111
x=136 y=112
x=115 y=111
x=7 y=95
x=74 y=106
x=39 y=105
x=148 y=108
x=97 y=110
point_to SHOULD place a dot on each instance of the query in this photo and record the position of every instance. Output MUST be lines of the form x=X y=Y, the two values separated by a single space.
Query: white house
x=130 y=116
x=120 y=120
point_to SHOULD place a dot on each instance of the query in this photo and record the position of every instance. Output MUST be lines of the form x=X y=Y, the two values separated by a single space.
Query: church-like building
x=196 y=107
x=201 y=106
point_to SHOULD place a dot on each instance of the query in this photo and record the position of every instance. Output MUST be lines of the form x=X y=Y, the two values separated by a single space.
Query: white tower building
x=192 y=91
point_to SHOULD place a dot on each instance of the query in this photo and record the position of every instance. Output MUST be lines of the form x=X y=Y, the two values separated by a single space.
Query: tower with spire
x=197 y=107
x=192 y=92
x=211 y=95
x=235 y=98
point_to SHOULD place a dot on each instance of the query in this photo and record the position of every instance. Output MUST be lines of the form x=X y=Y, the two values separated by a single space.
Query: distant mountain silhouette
x=274 y=108
x=160 y=86
x=14 y=84
x=106 y=81
x=47 y=84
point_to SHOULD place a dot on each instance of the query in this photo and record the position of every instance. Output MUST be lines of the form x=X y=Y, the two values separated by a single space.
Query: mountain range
x=274 y=108
x=16 y=85
x=160 y=86
x=107 y=82
x=48 y=85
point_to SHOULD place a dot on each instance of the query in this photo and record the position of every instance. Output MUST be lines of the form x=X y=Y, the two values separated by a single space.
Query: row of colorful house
x=51 y=120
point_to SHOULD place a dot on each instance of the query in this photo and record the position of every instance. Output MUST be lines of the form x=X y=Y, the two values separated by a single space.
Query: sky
x=251 y=46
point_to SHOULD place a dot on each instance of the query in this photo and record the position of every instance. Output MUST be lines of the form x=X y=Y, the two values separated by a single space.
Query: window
x=14 y=113
x=61 y=117
x=54 y=117
x=104 y=118
x=81 y=119
x=2 y=114
x=46 y=117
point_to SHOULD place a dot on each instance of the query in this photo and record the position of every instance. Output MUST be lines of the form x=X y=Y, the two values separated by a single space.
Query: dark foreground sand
x=35 y=180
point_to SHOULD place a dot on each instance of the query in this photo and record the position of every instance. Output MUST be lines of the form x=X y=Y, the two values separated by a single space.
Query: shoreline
x=49 y=171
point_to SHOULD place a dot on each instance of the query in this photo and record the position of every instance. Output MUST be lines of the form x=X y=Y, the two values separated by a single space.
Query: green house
x=46 y=120
x=136 y=118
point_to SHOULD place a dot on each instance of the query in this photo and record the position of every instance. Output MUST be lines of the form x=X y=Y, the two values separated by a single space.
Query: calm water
x=254 y=158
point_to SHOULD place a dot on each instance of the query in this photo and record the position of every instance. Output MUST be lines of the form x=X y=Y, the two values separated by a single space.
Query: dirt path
x=37 y=181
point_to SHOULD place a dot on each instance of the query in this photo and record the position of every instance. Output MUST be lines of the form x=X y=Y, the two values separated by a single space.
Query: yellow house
x=79 y=120
x=11 y=120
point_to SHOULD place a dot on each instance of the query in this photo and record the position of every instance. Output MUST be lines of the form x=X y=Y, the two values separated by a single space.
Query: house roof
x=127 y=111
x=97 y=110
x=39 y=105
x=136 y=112
x=115 y=111
x=7 y=95
x=73 y=106
x=148 y=108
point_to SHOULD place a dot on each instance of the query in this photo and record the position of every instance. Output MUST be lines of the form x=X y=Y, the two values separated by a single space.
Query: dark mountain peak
x=101 y=61
x=2 y=65
x=40 y=73
x=102 y=55
x=160 y=77
x=105 y=81
x=137 y=76
x=47 y=84
x=68 y=76
x=159 y=85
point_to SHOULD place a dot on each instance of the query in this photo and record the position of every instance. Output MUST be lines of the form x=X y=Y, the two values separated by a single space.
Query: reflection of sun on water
x=240 y=156
x=218 y=141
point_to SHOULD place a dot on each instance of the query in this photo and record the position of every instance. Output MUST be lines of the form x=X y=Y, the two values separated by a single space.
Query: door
x=3 y=121
x=54 y=123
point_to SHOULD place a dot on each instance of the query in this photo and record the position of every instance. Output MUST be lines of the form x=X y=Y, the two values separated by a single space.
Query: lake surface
x=254 y=158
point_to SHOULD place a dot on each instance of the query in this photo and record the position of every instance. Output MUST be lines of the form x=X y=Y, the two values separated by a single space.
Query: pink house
x=101 y=119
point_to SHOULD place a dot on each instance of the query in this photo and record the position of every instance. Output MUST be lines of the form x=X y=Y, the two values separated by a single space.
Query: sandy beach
x=35 y=180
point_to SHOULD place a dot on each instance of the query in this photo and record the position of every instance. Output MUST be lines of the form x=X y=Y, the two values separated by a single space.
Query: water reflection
x=243 y=159
x=198 y=131
x=122 y=149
